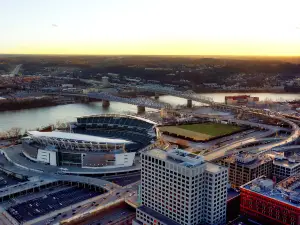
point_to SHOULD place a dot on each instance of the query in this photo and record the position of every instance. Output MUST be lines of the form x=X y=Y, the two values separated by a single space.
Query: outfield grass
x=211 y=129
x=185 y=133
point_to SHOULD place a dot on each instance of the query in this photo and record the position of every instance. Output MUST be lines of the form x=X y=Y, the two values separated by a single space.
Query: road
x=15 y=154
x=225 y=150
x=105 y=216
x=100 y=202
x=71 y=214
x=124 y=180
x=16 y=70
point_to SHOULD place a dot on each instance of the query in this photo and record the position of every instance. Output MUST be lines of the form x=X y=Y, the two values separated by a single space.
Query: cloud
x=54 y=25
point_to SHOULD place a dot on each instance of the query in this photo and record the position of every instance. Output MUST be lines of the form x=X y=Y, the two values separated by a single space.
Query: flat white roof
x=77 y=137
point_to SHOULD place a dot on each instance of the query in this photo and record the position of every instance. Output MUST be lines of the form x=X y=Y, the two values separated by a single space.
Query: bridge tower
x=105 y=103
x=141 y=109
x=189 y=103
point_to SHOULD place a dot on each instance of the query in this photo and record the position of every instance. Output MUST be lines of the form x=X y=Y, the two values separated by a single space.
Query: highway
x=225 y=150
x=80 y=211
x=286 y=148
x=108 y=215
x=50 y=175
x=115 y=194
x=295 y=132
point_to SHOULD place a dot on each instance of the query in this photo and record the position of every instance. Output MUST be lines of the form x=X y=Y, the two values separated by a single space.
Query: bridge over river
x=140 y=102
x=158 y=89
x=143 y=102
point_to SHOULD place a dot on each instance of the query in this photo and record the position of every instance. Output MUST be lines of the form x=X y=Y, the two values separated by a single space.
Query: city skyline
x=150 y=28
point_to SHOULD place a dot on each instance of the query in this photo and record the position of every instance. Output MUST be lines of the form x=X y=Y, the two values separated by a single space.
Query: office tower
x=179 y=187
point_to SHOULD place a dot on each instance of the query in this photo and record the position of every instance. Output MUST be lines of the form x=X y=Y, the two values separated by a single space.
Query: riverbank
x=243 y=91
x=10 y=105
x=213 y=91
x=37 y=117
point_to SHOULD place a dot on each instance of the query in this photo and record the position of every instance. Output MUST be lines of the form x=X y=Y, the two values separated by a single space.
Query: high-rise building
x=267 y=203
x=179 y=187
x=245 y=167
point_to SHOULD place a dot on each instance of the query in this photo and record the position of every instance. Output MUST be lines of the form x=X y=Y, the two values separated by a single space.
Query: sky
x=150 y=27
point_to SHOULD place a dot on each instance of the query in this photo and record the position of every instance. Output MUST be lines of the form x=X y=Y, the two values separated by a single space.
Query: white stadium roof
x=77 y=137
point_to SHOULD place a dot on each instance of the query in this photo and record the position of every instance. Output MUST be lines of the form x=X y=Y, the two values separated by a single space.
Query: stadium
x=98 y=141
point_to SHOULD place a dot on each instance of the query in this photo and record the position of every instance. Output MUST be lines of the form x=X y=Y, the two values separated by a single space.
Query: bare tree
x=14 y=132
x=61 y=125
x=58 y=124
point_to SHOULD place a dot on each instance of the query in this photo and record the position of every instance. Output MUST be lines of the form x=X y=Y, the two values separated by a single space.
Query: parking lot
x=40 y=206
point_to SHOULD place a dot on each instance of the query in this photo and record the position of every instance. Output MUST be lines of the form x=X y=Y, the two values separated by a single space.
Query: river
x=37 y=117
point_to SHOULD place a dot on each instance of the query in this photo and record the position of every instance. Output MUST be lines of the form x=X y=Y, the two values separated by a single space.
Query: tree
x=58 y=124
x=14 y=132
x=61 y=125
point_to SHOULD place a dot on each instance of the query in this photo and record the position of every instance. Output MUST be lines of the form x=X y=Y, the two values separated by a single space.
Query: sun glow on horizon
x=132 y=27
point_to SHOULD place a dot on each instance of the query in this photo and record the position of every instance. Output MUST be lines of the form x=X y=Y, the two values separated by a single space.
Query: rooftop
x=290 y=162
x=184 y=158
x=76 y=137
x=214 y=168
x=250 y=160
x=157 y=215
x=177 y=156
x=286 y=191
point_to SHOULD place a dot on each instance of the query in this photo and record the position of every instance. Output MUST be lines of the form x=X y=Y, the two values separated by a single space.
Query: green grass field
x=211 y=129
x=200 y=132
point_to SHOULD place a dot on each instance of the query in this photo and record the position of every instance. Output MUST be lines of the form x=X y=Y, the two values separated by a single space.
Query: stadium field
x=185 y=133
x=212 y=129
x=200 y=132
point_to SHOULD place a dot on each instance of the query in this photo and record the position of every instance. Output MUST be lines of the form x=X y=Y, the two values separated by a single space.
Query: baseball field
x=200 y=132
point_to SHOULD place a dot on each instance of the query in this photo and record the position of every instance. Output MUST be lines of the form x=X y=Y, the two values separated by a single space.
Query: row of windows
x=146 y=174
x=154 y=168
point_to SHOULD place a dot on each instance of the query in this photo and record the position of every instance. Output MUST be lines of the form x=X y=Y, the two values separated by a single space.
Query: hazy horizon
x=140 y=27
